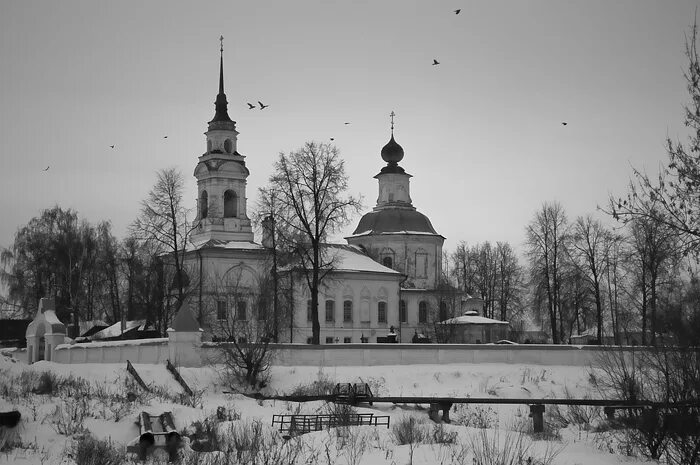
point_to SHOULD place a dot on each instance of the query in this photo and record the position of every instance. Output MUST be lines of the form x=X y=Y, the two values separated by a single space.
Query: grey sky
x=482 y=131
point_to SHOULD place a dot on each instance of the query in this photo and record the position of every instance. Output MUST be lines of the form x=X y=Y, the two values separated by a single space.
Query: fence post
x=536 y=412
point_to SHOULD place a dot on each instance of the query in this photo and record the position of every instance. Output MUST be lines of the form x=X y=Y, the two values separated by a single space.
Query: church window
x=208 y=146
x=403 y=317
x=391 y=197
x=309 y=313
x=329 y=339
x=241 y=310
x=443 y=310
x=387 y=262
x=347 y=311
x=228 y=146
x=422 y=312
x=204 y=204
x=221 y=310
x=347 y=340
x=330 y=310
x=381 y=312
x=230 y=204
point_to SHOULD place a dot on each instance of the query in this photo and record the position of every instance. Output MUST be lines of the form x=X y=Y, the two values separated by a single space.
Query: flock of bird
x=262 y=106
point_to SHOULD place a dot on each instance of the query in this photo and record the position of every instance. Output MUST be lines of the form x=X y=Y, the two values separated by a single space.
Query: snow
x=127 y=342
x=352 y=258
x=470 y=319
x=475 y=380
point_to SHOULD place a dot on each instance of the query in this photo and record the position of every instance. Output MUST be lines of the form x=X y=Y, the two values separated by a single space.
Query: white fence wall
x=137 y=351
x=158 y=350
x=413 y=354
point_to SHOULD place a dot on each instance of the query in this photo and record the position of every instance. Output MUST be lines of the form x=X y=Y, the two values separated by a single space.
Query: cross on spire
x=221 y=39
x=392 y=114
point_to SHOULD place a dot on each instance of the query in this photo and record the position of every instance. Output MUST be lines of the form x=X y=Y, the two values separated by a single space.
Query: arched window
x=443 y=310
x=330 y=311
x=204 y=205
x=228 y=145
x=208 y=146
x=422 y=312
x=381 y=312
x=230 y=204
x=403 y=317
x=309 y=312
x=387 y=262
x=347 y=311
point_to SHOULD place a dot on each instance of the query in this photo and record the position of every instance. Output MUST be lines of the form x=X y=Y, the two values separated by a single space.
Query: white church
x=386 y=277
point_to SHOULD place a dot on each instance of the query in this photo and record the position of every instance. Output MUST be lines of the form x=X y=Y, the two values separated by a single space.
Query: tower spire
x=221 y=104
x=221 y=66
x=392 y=114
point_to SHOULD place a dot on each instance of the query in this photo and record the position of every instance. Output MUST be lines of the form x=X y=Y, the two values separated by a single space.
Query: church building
x=387 y=277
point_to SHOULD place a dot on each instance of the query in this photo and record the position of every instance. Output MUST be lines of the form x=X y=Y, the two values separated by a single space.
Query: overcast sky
x=482 y=131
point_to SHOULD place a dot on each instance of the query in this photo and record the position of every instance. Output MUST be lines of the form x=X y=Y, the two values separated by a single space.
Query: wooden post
x=446 y=412
x=434 y=412
x=171 y=368
x=536 y=412
x=609 y=413
x=130 y=368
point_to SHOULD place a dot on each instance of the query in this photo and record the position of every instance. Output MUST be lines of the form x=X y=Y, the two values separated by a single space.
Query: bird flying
x=332 y=138
x=165 y=137
x=435 y=62
x=250 y=106
x=46 y=169
x=347 y=124
x=564 y=123
x=262 y=105
x=457 y=11
x=111 y=146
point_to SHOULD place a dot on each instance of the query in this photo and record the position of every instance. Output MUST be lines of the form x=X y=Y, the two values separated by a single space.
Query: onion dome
x=392 y=152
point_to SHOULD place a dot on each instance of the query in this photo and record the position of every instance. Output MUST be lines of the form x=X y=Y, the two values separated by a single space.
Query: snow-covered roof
x=229 y=245
x=352 y=259
x=116 y=329
x=472 y=318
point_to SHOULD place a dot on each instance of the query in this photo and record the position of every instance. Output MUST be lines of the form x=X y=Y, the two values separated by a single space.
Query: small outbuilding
x=45 y=332
x=471 y=328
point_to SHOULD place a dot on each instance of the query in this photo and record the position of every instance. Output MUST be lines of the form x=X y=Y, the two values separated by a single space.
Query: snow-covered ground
x=41 y=426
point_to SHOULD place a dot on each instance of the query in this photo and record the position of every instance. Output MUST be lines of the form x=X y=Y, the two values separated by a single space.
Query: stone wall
x=136 y=351
x=189 y=351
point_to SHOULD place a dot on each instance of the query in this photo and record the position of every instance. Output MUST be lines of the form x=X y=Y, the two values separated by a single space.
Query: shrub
x=475 y=416
x=408 y=430
x=47 y=384
x=439 y=435
x=322 y=385
x=67 y=417
x=90 y=451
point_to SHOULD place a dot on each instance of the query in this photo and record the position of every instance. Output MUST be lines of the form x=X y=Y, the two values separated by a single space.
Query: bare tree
x=243 y=324
x=672 y=198
x=162 y=223
x=546 y=240
x=310 y=186
x=587 y=251
x=653 y=255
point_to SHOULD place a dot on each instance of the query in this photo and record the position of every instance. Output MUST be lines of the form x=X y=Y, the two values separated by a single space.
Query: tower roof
x=221 y=105
x=394 y=221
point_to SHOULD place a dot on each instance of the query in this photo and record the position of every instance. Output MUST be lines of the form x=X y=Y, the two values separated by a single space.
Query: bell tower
x=222 y=178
